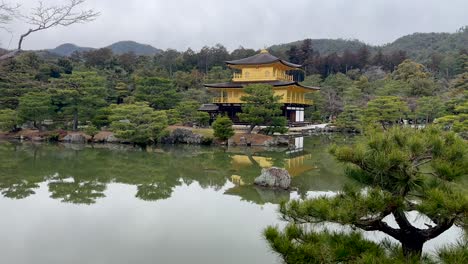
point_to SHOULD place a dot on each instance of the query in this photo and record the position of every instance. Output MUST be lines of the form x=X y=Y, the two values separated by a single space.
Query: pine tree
x=222 y=127
x=262 y=107
x=395 y=172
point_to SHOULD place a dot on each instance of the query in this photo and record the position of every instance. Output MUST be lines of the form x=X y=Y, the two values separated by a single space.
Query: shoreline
x=176 y=135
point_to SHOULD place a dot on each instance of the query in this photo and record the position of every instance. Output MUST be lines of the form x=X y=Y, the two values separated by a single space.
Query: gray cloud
x=181 y=24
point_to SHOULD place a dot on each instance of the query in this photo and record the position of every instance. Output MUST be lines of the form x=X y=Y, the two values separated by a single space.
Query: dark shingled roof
x=208 y=107
x=243 y=84
x=262 y=58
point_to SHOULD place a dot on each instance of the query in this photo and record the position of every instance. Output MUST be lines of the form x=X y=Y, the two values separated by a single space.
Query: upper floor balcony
x=237 y=100
x=261 y=76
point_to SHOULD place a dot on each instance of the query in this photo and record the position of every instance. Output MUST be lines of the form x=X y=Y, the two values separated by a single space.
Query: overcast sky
x=254 y=24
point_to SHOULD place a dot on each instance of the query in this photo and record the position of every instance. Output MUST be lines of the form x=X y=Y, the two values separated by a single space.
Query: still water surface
x=180 y=204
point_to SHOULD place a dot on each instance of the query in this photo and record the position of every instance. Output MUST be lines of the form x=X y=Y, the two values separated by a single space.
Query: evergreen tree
x=392 y=176
x=8 y=120
x=137 y=123
x=262 y=107
x=79 y=95
x=385 y=110
x=429 y=108
x=35 y=107
x=350 y=118
x=158 y=92
x=222 y=127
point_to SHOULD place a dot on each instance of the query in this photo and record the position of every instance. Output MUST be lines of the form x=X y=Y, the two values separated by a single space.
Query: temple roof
x=243 y=84
x=264 y=57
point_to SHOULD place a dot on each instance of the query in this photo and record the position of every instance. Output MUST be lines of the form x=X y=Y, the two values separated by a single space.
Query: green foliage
x=429 y=108
x=395 y=171
x=460 y=82
x=409 y=70
x=8 y=120
x=458 y=121
x=312 y=80
x=461 y=63
x=66 y=65
x=350 y=118
x=173 y=116
x=35 y=107
x=222 y=127
x=262 y=107
x=187 y=80
x=349 y=72
x=416 y=77
x=158 y=92
x=457 y=254
x=101 y=118
x=48 y=71
x=218 y=74
x=78 y=95
x=188 y=113
x=202 y=119
x=137 y=123
x=91 y=130
x=386 y=110
x=391 y=87
x=326 y=247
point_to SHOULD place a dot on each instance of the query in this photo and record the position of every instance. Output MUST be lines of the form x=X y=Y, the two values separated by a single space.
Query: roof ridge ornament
x=264 y=51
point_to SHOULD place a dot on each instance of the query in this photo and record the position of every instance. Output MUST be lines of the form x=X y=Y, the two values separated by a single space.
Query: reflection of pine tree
x=154 y=191
x=13 y=185
x=17 y=188
x=78 y=192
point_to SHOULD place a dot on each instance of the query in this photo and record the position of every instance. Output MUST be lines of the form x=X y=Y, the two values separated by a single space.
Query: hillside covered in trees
x=426 y=48
x=93 y=87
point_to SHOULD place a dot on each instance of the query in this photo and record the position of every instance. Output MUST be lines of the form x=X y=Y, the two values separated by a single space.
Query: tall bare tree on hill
x=43 y=17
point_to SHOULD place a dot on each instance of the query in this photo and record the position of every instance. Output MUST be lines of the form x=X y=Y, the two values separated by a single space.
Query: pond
x=172 y=204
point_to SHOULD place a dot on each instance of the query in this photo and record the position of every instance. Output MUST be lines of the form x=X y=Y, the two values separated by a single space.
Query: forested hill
x=120 y=47
x=421 y=46
x=322 y=46
x=418 y=46
x=68 y=49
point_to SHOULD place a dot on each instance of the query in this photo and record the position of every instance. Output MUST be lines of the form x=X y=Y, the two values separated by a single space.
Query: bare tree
x=45 y=17
x=7 y=13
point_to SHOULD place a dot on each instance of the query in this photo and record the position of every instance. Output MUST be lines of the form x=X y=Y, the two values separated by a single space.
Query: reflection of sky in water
x=194 y=225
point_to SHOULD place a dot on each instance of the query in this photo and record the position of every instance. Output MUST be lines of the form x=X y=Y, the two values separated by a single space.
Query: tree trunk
x=251 y=128
x=75 y=120
x=35 y=125
x=20 y=42
x=412 y=248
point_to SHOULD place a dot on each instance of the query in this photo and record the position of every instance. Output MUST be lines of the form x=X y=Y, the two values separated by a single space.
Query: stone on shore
x=75 y=138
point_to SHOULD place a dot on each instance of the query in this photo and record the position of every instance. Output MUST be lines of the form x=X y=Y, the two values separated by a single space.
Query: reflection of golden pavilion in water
x=296 y=164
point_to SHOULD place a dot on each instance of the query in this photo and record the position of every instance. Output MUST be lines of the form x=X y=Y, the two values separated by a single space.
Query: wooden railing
x=261 y=77
x=220 y=100
x=290 y=100
x=237 y=100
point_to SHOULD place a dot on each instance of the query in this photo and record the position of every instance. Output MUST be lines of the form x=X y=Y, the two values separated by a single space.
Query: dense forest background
x=75 y=85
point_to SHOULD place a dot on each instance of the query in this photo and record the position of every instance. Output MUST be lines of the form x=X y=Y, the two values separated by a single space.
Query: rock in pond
x=274 y=178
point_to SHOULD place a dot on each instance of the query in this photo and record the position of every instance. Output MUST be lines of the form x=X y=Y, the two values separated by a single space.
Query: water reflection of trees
x=80 y=175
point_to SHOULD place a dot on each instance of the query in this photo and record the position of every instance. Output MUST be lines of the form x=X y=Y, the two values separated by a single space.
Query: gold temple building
x=266 y=69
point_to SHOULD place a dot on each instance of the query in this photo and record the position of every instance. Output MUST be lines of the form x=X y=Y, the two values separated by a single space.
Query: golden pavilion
x=260 y=68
